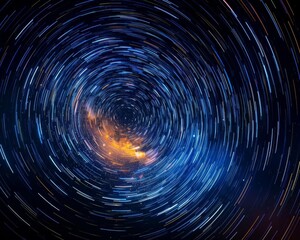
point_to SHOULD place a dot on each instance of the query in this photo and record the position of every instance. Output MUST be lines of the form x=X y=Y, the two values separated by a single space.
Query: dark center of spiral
x=126 y=117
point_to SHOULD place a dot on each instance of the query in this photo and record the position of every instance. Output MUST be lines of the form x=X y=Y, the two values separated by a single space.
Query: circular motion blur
x=149 y=120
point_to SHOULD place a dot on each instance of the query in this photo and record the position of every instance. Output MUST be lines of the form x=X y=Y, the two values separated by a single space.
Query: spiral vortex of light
x=149 y=119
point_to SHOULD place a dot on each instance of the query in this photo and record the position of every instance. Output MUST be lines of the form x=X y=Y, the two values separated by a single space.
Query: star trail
x=149 y=119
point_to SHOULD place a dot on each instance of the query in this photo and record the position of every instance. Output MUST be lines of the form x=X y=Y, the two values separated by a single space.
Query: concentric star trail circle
x=149 y=120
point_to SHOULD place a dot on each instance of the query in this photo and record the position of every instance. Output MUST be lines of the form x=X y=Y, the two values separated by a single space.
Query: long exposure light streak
x=149 y=119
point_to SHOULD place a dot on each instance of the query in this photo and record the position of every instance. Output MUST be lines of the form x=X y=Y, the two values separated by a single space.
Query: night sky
x=149 y=119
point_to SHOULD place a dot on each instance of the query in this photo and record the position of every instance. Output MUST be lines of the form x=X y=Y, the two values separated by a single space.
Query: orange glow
x=114 y=144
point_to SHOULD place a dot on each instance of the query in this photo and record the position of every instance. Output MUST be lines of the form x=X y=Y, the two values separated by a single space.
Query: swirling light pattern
x=149 y=119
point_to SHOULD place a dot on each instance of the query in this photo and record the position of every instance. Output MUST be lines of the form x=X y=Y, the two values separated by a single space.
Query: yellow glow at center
x=114 y=145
